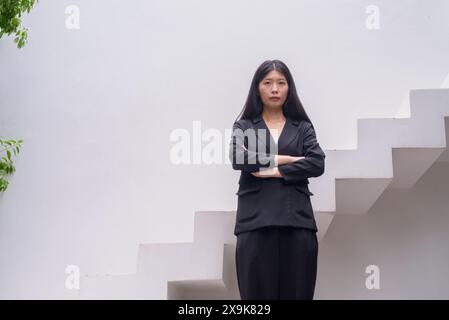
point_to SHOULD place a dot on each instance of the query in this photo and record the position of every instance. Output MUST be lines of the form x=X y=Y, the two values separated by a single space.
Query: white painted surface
x=96 y=107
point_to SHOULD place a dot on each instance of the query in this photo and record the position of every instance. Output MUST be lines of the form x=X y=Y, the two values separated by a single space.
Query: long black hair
x=292 y=107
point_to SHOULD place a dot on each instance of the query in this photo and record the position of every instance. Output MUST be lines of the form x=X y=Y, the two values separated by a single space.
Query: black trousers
x=277 y=263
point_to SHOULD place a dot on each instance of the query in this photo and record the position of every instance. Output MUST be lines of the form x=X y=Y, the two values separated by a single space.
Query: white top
x=276 y=138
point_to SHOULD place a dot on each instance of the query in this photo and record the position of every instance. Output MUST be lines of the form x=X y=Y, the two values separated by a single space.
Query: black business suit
x=275 y=226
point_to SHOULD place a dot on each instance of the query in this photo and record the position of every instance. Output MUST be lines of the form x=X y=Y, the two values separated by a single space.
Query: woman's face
x=274 y=84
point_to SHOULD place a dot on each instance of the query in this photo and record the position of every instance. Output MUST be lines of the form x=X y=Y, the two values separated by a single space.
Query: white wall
x=96 y=107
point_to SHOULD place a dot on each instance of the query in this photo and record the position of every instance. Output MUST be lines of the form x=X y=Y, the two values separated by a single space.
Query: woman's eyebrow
x=283 y=79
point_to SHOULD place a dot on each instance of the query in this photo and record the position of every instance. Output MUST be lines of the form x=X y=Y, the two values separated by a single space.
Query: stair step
x=391 y=153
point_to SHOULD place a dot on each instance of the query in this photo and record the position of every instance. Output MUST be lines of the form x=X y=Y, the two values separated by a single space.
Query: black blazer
x=275 y=201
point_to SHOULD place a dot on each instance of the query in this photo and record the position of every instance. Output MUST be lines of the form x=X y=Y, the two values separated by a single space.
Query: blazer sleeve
x=244 y=159
x=312 y=165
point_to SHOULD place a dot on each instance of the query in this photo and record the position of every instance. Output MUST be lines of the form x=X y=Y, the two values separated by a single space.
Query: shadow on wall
x=405 y=234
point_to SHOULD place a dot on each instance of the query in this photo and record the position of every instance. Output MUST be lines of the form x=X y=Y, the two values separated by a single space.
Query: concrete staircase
x=391 y=153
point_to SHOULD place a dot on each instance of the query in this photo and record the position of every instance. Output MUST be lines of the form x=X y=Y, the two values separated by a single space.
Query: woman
x=275 y=147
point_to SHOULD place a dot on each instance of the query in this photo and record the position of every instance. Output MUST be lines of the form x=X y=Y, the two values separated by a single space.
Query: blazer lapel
x=260 y=128
x=288 y=134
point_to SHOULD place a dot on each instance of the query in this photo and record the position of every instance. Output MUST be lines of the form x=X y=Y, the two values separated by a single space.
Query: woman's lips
x=274 y=98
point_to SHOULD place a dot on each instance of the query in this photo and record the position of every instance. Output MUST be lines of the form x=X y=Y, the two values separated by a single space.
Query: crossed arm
x=290 y=168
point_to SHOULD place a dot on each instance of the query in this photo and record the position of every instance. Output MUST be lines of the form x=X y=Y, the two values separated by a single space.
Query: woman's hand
x=274 y=172
x=268 y=173
x=285 y=159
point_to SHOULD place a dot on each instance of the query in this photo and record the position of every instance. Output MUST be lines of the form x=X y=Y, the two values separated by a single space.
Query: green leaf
x=10 y=19
x=21 y=43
